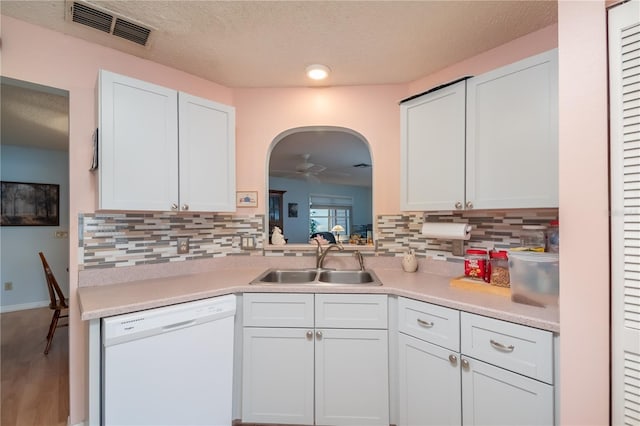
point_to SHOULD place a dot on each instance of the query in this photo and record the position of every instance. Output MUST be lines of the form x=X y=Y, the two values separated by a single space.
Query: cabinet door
x=352 y=379
x=432 y=150
x=207 y=155
x=429 y=384
x=512 y=135
x=493 y=396
x=138 y=144
x=277 y=375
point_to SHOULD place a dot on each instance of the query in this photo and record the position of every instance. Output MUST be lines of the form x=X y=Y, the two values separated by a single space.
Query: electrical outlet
x=183 y=245
x=8 y=286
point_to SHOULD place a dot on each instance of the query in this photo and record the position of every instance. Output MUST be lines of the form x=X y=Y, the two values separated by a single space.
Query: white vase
x=409 y=262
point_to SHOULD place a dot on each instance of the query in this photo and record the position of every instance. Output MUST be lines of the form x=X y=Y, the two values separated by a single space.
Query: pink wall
x=584 y=215
x=528 y=45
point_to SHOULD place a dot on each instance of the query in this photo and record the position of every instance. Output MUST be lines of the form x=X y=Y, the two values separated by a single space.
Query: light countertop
x=97 y=301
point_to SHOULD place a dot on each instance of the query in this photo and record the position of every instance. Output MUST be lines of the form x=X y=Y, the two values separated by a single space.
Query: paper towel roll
x=447 y=231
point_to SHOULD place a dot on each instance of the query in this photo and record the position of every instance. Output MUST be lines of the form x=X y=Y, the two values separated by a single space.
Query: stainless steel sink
x=294 y=276
x=316 y=277
x=347 y=277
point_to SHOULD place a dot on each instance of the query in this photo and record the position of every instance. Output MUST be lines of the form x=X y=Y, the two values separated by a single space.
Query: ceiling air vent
x=94 y=18
x=108 y=22
x=131 y=31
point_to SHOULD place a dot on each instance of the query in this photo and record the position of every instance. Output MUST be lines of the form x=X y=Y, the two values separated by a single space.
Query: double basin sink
x=317 y=277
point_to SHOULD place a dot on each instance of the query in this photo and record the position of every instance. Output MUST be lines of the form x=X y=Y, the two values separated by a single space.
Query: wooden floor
x=35 y=387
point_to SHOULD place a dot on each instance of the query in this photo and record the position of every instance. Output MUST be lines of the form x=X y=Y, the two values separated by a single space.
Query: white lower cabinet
x=277 y=376
x=311 y=374
x=495 y=396
x=491 y=372
x=352 y=377
x=429 y=384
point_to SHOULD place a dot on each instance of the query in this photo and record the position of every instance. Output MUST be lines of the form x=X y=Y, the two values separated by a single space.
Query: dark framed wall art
x=293 y=209
x=30 y=204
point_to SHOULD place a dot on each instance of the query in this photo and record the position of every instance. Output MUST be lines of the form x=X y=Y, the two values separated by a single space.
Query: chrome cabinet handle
x=453 y=359
x=425 y=324
x=309 y=334
x=185 y=207
x=469 y=205
x=501 y=347
x=319 y=334
x=465 y=364
x=174 y=206
x=458 y=205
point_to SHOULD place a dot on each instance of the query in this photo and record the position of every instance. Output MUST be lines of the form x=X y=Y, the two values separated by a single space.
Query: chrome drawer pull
x=502 y=347
x=425 y=324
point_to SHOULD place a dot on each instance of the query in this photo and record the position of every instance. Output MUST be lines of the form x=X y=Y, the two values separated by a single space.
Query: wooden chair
x=58 y=301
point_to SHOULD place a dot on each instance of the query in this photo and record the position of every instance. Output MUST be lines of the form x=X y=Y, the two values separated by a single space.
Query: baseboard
x=77 y=424
x=23 y=306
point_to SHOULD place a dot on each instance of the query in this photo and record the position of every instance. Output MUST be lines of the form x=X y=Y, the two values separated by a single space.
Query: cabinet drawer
x=522 y=349
x=351 y=311
x=431 y=323
x=277 y=310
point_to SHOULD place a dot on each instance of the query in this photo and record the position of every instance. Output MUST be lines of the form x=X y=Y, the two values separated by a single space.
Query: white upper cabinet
x=163 y=150
x=138 y=144
x=512 y=135
x=433 y=144
x=207 y=154
x=490 y=142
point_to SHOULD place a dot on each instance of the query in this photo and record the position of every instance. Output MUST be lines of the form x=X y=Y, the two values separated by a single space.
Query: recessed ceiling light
x=317 y=72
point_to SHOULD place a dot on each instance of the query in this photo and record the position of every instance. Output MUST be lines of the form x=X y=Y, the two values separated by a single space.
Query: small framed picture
x=247 y=199
x=293 y=209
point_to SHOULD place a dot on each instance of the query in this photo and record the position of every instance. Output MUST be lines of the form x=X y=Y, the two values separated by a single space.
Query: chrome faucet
x=358 y=256
x=320 y=255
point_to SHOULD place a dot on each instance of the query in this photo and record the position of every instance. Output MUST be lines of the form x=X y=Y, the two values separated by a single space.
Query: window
x=327 y=211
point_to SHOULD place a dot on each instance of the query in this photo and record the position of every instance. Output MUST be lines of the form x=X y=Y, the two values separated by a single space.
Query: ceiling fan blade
x=311 y=177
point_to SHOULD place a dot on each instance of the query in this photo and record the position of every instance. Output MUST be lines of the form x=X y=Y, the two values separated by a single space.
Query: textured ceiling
x=269 y=43
x=34 y=115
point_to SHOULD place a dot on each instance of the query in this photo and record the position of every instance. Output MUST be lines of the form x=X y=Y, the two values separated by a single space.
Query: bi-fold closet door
x=624 y=87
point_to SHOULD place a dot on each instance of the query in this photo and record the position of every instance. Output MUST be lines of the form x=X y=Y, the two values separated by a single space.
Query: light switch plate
x=248 y=243
x=183 y=245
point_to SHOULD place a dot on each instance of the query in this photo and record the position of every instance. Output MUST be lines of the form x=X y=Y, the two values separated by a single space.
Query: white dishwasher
x=170 y=365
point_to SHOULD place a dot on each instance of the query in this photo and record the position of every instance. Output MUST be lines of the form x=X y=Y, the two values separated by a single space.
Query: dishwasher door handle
x=178 y=324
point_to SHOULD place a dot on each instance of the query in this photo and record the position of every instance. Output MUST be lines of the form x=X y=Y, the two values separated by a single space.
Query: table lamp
x=337 y=230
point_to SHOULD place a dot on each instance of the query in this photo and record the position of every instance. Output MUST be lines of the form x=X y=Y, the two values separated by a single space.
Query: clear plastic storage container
x=534 y=277
x=553 y=237
x=499 y=268
x=533 y=237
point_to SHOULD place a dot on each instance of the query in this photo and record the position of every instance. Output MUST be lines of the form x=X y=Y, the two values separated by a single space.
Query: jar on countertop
x=475 y=264
x=553 y=237
x=533 y=237
x=409 y=262
x=499 y=268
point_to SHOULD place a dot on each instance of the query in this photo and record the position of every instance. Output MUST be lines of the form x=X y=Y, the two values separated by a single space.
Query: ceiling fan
x=302 y=170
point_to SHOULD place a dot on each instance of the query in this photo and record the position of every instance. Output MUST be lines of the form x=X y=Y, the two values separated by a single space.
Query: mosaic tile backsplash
x=128 y=239
x=498 y=229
